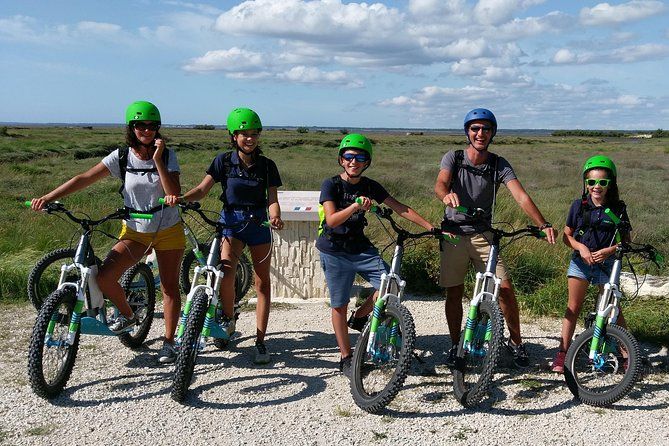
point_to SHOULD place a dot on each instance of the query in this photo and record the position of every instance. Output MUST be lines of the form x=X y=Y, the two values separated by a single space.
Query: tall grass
x=35 y=160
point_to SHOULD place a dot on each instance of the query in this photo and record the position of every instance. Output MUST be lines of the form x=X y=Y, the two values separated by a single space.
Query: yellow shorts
x=164 y=240
x=455 y=259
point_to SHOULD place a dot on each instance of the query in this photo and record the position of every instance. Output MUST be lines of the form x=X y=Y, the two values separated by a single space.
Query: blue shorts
x=251 y=232
x=340 y=271
x=597 y=274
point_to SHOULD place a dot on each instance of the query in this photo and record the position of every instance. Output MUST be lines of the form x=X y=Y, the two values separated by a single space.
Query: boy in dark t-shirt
x=344 y=249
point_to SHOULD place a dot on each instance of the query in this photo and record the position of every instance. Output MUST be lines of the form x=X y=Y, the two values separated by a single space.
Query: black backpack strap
x=123 y=166
x=123 y=154
x=227 y=167
x=459 y=161
x=585 y=212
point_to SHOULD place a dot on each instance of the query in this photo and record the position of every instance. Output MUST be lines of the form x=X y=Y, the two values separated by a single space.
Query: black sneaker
x=261 y=355
x=357 y=323
x=345 y=366
x=123 y=324
x=451 y=355
x=520 y=357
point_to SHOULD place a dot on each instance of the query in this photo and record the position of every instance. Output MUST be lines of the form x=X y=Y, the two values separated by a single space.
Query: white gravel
x=119 y=396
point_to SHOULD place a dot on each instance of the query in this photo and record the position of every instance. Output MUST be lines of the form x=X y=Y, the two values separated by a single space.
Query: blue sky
x=413 y=63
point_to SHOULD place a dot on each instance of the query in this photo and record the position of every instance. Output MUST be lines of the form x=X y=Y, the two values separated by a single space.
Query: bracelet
x=545 y=225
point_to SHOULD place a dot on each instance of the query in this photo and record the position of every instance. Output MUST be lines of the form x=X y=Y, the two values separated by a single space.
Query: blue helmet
x=481 y=114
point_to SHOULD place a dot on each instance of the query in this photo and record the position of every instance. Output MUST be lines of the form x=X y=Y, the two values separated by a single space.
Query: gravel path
x=119 y=396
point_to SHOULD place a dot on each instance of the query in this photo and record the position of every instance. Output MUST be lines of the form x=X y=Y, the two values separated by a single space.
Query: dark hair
x=132 y=141
x=235 y=147
x=612 y=196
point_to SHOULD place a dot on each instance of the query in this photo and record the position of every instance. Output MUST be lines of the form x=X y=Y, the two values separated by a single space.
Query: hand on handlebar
x=550 y=235
x=276 y=223
x=363 y=203
x=171 y=200
x=37 y=204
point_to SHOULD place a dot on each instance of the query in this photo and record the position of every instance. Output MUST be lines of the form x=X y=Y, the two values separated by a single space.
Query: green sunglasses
x=591 y=182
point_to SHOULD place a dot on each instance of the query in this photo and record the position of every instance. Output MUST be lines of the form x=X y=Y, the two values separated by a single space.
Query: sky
x=410 y=64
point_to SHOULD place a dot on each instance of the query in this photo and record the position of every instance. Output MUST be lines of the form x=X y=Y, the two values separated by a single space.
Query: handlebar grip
x=140 y=216
x=451 y=239
x=462 y=209
x=612 y=216
x=161 y=201
x=27 y=203
x=542 y=234
x=372 y=208
x=659 y=259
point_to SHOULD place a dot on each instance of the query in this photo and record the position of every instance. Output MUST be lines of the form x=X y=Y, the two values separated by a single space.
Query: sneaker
x=123 y=324
x=228 y=325
x=558 y=362
x=450 y=357
x=520 y=357
x=261 y=354
x=167 y=353
x=345 y=366
x=357 y=323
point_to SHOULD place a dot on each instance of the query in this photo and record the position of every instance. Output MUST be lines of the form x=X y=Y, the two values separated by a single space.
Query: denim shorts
x=251 y=233
x=597 y=274
x=340 y=271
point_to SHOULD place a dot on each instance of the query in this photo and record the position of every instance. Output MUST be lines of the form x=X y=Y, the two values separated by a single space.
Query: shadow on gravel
x=263 y=386
x=123 y=383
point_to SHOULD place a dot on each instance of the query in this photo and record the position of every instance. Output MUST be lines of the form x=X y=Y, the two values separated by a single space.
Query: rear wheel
x=378 y=375
x=243 y=275
x=51 y=355
x=140 y=290
x=190 y=346
x=43 y=278
x=611 y=374
x=475 y=361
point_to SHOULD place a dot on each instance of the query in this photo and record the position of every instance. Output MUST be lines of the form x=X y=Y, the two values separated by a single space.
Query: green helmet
x=141 y=111
x=243 y=119
x=356 y=141
x=599 y=162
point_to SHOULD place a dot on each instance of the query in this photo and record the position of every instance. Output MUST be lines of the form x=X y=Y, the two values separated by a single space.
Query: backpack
x=261 y=174
x=490 y=171
x=123 y=165
x=350 y=238
x=585 y=212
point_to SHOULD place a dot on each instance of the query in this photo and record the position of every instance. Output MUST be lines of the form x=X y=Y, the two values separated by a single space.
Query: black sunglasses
x=359 y=157
x=141 y=126
x=476 y=128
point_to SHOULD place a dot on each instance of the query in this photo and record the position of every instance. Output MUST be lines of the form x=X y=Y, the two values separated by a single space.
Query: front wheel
x=243 y=274
x=52 y=351
x=378 y=375
x=611 y=374
x=43 y=278
x=476 y=359
x=190 y=346
x=140 y=290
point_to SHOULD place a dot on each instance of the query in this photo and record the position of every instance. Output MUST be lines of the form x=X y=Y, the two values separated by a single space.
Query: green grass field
x=35 y=160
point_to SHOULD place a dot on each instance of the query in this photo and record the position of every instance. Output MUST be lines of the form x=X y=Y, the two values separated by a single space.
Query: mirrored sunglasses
x=359 y=157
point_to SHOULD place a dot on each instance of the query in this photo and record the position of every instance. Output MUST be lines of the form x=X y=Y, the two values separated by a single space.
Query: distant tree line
x=659 y=133
x=204 y=127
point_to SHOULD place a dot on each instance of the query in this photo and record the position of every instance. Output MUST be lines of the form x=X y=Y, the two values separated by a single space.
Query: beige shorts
x=455 y=259
x=165 y=240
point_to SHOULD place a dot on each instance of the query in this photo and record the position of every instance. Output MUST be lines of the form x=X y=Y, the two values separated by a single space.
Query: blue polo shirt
x=245 y=187
x=601 y=232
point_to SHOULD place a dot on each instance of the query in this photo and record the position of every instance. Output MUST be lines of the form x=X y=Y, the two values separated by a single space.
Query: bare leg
x=262 y=259
x=509 y=305
x=577 y=289
x=367 y=305
x=122 y=256
x=341 y=330
x=231 y=249
x=453 y=309
x=169 y=262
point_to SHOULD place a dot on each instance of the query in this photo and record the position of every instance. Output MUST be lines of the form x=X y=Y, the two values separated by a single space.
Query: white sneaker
x=261 y=354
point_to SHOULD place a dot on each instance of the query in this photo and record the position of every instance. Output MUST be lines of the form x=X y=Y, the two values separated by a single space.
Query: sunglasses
x=591 y=182
x=141 y=126
x=359 y=157
x=477 y=128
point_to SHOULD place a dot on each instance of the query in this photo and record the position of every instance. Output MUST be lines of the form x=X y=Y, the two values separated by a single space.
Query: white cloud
x=233 y=60
x=99 y=28
x=553 y=22
x=495 y=12
x=606 y=14
x=314 y=76
x=625 y=54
